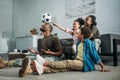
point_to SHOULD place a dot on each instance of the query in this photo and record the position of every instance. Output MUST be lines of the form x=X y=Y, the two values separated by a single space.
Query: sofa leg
x=115 y=59
x=115 y=55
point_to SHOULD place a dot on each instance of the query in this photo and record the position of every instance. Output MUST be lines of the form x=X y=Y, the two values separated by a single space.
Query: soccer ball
x=46 y=17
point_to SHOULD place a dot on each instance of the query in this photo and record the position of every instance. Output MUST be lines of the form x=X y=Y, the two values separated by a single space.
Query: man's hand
x=32 y=50
x=47 y=51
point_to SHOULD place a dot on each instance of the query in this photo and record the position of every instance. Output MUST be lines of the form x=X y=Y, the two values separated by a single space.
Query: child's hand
x=105 y=70
x=75 y=33
x=54 y=23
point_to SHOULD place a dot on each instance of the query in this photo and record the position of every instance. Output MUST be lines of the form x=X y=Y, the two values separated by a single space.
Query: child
x=77 y=24
x=86 y=57
x=90 y=22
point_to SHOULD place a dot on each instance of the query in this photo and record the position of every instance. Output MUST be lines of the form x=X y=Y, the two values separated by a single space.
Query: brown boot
x=26 y=69
x=2 y=63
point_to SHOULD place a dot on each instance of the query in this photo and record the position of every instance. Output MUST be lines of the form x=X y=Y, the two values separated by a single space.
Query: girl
x=90 y=22
x=77 y=24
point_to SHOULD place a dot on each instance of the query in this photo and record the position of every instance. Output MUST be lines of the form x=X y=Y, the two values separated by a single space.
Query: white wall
x=108 y=16
x=27 y=14
x=6 y=26
x=6 y=14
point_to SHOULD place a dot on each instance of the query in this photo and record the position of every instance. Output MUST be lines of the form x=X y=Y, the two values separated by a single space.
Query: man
x=50 y=47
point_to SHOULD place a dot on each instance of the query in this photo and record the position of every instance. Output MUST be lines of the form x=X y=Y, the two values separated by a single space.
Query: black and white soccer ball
x=46 y=17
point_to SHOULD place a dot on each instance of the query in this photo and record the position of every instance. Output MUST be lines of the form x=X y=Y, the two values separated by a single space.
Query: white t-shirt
x=75 y=37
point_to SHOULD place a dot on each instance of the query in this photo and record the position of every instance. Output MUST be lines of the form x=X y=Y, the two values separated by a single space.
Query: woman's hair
x=80 y=21
x=94 y=23
x=45 y=26
x=86 y=32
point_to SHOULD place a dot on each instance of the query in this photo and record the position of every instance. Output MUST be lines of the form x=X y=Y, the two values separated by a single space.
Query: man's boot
x=2 y=63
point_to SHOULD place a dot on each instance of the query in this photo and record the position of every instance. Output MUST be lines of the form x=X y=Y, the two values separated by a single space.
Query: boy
x=50 y=47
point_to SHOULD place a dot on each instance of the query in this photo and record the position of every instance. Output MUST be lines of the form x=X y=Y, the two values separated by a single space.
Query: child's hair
x=86 y=32
x=94 y=23
x=44 y=26
x=80 y=21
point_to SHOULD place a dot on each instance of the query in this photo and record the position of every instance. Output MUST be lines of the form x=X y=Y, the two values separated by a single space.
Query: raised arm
x=62 y=28
x=58 y=26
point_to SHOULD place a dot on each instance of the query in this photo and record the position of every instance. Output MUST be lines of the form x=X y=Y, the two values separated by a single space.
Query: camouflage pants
x=18 y=62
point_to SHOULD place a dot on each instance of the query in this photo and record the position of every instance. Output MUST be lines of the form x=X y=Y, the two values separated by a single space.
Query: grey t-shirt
x=95 y=32
x=51 y=42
